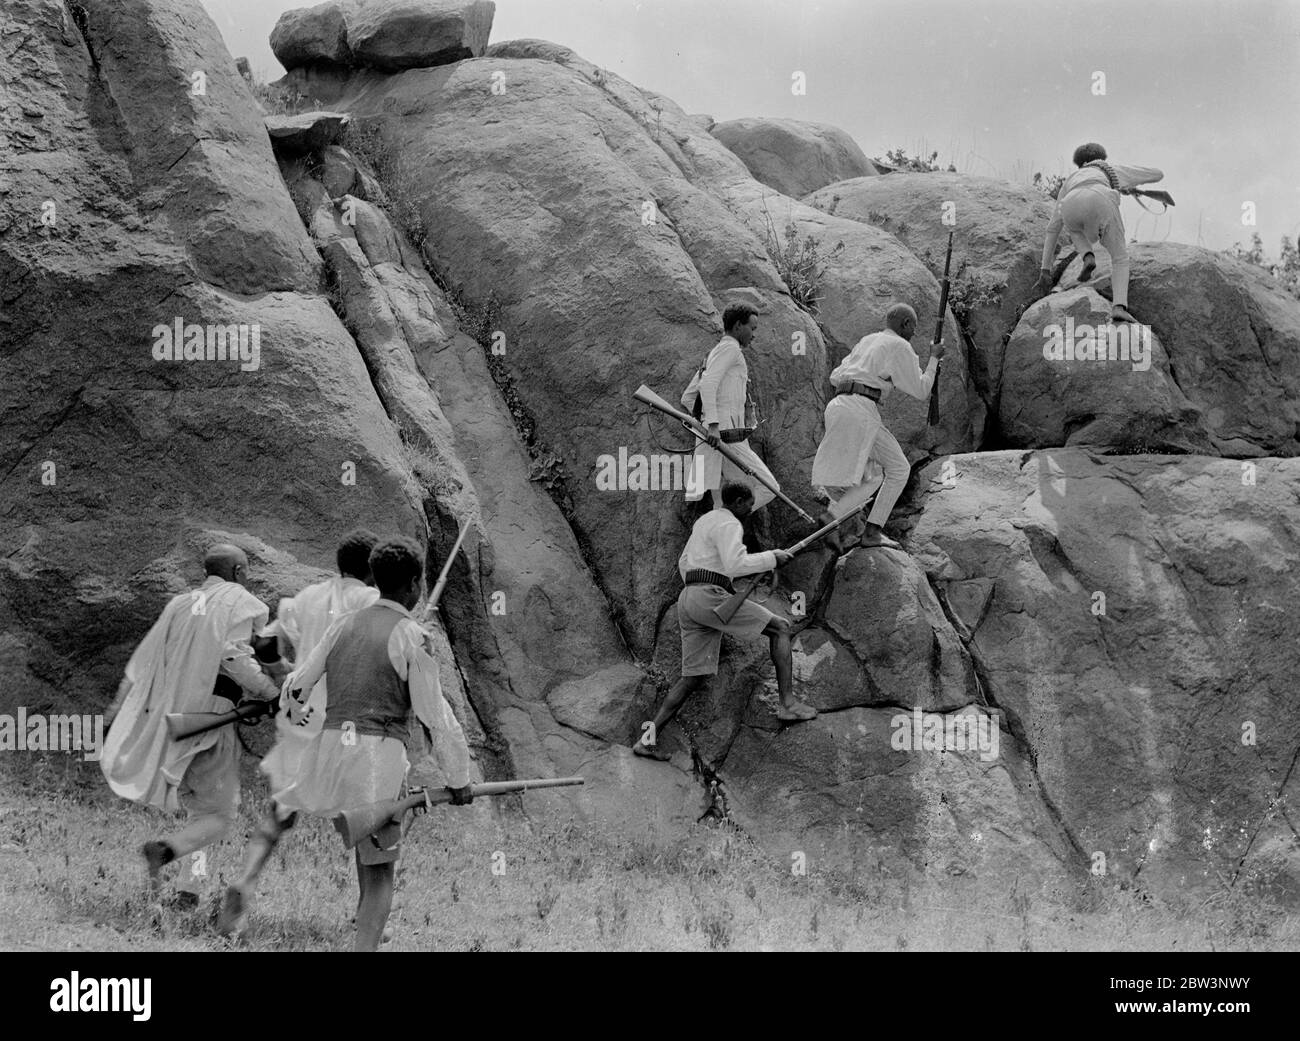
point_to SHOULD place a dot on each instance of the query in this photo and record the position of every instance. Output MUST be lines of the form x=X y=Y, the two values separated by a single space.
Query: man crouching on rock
x=714 y=555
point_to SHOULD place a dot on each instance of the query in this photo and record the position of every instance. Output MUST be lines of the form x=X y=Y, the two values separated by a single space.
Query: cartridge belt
x=702 y=577
x=861 y=388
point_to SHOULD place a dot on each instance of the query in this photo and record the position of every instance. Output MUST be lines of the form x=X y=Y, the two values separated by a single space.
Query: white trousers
x=1091 y=215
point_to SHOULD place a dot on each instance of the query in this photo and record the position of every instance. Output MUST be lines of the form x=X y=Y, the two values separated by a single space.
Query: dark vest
x=362 y=687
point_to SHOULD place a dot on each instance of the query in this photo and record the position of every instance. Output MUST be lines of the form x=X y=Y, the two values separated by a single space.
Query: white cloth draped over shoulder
x=174 y=670
x=303 y=620
x=883 y=360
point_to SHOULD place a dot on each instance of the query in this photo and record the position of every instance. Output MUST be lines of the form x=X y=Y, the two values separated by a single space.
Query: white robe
x=174 y=670
x=304 y=620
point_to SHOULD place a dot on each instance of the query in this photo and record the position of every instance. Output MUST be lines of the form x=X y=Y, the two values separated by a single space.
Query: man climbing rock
x=713 y=556
x=721 y=389
x=1087 y=207
x=855 y=433
x=200 y=635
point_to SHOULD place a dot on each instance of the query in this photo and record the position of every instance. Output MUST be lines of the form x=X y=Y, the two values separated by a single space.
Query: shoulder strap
x=1105 y=168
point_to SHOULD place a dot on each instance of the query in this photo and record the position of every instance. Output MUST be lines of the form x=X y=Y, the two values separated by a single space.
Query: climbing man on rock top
x=1087 y=207
x=713 y=556
x=855 y=433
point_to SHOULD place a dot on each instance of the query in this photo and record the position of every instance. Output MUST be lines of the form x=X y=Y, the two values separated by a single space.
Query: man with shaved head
x=200 y=636
x=856 y=447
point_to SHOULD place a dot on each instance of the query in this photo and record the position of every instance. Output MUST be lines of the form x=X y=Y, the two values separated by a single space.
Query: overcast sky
x=1207 y=91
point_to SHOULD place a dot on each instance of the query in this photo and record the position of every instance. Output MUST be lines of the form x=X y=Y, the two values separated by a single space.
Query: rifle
x=728 y=608
x=181 y=725
x=647 y=396
x=355 y=825
x=431 y=605
x=932 y=418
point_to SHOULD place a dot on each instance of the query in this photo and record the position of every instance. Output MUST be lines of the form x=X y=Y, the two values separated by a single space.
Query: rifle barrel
x=647 y=396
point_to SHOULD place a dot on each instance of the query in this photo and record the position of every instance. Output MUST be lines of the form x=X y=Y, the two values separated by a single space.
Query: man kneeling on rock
x=714 y=555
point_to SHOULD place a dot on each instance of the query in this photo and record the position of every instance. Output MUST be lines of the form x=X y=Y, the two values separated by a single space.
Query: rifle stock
x=355 y=825
x=431 y=605
x=181 y=725
x=648 y=397
x=932 y=417
x=728 y=608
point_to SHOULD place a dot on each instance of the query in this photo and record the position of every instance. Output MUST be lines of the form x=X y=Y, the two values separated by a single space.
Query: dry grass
x=73 y=881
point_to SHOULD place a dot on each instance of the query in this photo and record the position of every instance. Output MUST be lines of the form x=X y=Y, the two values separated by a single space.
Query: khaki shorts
x=702 y=630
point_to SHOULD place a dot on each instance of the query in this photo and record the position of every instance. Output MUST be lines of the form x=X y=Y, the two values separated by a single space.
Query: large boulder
x=407 y=34
x=120 y=463
x=793 y=156
x=1133 y=627
x=1232 y=336
x=308 y=35
x=1073 y=378
x=998 y=231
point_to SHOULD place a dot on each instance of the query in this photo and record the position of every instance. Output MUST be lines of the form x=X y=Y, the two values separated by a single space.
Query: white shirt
x=717 y=544
x=303 y=619
x=884 y=360
x=413 y=661
x=722 y=386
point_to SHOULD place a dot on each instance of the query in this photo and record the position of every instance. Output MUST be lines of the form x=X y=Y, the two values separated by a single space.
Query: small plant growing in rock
x=398 y=175
x=1050 y=185
x=282 y=99
x=801 y=261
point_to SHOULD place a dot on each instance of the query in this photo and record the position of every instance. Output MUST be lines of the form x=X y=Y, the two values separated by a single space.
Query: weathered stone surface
x=312 y=34
x=1084 y=397
x=406 y=34
x=306 y=132
x=169 y=207
x=1232 y=336
x=793 y=156
x=997 y=242
x=1134 y=704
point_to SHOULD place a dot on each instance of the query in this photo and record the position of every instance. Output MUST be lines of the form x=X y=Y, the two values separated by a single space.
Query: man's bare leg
x=682 y=689
x=376 y=881
x=239 y=895
x=778 y=640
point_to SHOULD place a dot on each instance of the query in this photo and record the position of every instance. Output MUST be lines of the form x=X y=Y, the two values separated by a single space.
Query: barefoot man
x=855 y=433
x=714 y=555
x=199 y=636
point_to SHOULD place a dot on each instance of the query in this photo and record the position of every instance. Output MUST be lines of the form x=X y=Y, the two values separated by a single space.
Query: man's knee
x=778 y=627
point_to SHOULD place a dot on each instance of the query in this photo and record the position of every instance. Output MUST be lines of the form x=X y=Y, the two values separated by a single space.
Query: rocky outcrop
x=306 y=132
x=1232 y=337
x=127 y=448
x=792 y=156
x=1073 y=378
x=383 y=34
x=1135 y=634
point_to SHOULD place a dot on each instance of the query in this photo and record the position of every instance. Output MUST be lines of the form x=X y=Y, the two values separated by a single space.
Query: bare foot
x=650 y=752
x=796 y=712
x=1121 y=314
x=873 y=540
